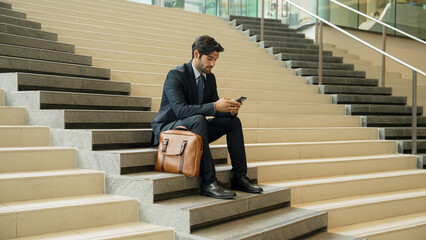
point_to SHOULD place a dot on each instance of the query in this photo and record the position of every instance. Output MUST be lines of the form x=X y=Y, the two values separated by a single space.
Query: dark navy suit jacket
x=180 y=98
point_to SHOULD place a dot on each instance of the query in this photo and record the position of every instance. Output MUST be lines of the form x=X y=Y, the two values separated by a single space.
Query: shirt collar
x=196 y=72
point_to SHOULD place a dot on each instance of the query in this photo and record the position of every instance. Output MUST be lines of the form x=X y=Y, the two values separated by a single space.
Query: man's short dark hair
x=206 y=45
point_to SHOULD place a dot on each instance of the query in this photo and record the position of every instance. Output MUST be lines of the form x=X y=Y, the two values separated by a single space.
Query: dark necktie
x=200 y=88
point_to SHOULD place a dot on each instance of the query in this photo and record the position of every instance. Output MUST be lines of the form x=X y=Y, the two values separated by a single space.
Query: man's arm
x=175 y=94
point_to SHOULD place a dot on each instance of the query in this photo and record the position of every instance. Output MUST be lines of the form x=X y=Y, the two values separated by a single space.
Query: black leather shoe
x=243 y=184
x=216 y=190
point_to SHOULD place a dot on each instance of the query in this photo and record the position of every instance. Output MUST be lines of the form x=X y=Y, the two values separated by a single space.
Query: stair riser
x=42 y=187
x=314 y=64
x=290 y=45
x=19 y=22
x=376 y=211
x=399 y=233
x=52 y=100
x=90 y=119
x=2 y=97
x=330 y=89
x=368 y=99
x=31 y=53
x=304 y=135
x=284 y=172
x=320 y=192
x=276 y=33
x=277 y=50
x=343 y=81
x=12 y=116
x=310 y=58
x=328 y=72
x=41 y=160
x=322 y=150
x=30 y=222
x=35 y=43
x=12 y=13
x=388 y=110
x=16 y=64
x=32 y=82
x=24 y=137
x=28 y=32
x=265 y=121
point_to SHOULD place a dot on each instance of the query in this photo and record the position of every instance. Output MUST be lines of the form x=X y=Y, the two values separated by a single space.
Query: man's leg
x=231 y=126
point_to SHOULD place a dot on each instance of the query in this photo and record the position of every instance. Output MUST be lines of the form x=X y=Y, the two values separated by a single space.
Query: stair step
x=19 y=22
x=32 y=82
x=9 y=12
x=269 y=171
x=407 y=146
x=36 y=159
x=254 y=19
x=309 y=57
x=376 y=109
x=12 y=115
x=28 y=32
x=11 y=64
x=273 y=38
x=157 y=184
x=331 y=236
x=256 y=31
x=393 y=121
x=63 y=100
x=403 y=133
x=344 y=81
x=24 y=136
x=25 y=186
x=361 y=209
x=24 y=218
x=330 y=72
x=208 y=212
x=133 y=160
x=286 y=223
x=35 y=43
x=315 y=64
x=290 y=120
x=335 y=89
x=131 y=230
x=5 y=5
x=368 y=99
x=326 y=188
x=294 y=44
x=308 y=150
x=403 y=227
x=91 y=119
x=44 y=55
x=288 y=50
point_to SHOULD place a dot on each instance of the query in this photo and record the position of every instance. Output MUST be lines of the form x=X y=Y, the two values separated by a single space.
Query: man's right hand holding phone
x=227 y=105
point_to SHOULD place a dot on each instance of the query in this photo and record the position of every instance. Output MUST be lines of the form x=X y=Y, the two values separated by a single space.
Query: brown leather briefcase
x=179 y=151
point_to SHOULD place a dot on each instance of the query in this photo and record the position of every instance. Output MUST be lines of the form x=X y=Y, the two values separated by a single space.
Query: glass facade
x=406 y=15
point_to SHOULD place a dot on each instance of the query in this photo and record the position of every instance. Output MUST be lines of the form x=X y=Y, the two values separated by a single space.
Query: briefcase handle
x=181 y=128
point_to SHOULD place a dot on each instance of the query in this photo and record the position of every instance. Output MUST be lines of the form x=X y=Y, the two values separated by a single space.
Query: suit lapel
x=192 y=83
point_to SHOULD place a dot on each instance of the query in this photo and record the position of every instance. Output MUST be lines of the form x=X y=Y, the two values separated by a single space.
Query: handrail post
x=229 y=7
x=320 y=53
x=262 y=21
x=414 y=116
x=316 y=22
x=276 y=10
x=383 y=56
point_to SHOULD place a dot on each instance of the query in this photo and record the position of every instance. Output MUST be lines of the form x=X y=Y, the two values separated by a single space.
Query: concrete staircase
x=353 y=83
x=88 y=111
x=43 y=195
x=292 y=133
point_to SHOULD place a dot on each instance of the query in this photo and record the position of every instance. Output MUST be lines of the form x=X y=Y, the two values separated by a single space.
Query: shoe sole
x=243 y=190
x=209 y=195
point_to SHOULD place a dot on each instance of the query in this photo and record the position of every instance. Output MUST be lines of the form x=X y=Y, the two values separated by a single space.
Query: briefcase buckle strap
x=182 y=149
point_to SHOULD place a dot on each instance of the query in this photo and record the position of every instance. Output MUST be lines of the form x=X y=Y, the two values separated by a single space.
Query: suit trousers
x=210 y=130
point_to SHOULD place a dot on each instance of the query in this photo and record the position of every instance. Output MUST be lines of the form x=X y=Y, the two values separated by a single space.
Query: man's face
x=206 y=63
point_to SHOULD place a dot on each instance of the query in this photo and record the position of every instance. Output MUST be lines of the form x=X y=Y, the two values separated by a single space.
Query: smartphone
x=241 y=99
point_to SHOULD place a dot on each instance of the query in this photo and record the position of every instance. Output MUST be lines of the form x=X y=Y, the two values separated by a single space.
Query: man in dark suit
x=189 y=95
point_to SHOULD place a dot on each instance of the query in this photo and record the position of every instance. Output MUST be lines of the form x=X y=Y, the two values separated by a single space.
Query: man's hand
x=227 y=105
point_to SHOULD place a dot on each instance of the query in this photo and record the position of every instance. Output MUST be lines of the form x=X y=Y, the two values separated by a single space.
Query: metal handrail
x=415 y=70
x=378 y=21
x=358 y=39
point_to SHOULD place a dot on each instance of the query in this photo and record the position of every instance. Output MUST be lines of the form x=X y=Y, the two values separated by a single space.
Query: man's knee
x=197 y=123
x=235 y=122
